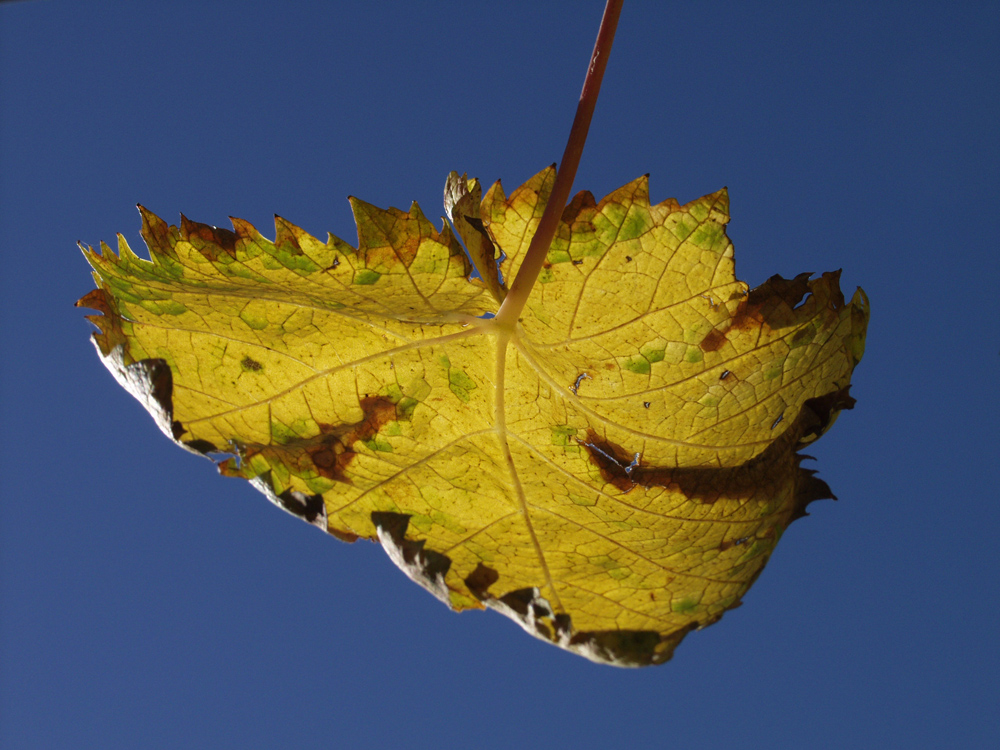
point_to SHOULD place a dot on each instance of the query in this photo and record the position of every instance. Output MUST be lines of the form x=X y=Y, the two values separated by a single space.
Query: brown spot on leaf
x=629 y=648
x=621 y=648
x=158 y=385
x=345 y=536
x=582 y=200
x=248 y=363
x=331 y=450
x=763 y=475
x=524 y=600
x=480 y=580
x=202 y=446
x=421 y=565
x=713 y=341
x=300 y=504
x=774 y=302
x=310 y=508
x=208 y=239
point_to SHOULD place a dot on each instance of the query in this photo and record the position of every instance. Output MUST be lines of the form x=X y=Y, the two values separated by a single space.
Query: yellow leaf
x=612 y=471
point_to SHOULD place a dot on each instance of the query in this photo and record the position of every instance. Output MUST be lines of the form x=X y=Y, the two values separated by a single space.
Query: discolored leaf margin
x=304 y=473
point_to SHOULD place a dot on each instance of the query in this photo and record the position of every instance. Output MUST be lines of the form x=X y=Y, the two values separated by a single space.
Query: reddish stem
x=539 y=247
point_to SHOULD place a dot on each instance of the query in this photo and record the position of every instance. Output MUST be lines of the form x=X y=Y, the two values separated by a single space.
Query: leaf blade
x=612 y=473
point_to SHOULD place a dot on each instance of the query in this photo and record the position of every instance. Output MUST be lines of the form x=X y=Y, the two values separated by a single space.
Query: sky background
x=147 y=602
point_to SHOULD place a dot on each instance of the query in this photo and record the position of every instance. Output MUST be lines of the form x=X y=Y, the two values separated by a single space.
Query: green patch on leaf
x=638 y=365
x=653 y=352
x=774 y=369
x=684 y=606
x=393 y=392
x=693 y=355
x=254 y=318
x=378 y=443
x=318 y=485
x=295 y=261
x=563 y=435
x=405 y=407
x=707 y=236
x=613 y=568
x=366 y=276
x=460 y=383
x=162 y=307
x=637 y=222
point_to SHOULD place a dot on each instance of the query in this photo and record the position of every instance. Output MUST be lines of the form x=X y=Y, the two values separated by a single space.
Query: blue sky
x=148 y=602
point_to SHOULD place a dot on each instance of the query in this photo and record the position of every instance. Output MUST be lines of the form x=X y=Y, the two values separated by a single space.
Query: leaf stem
x=517 y=297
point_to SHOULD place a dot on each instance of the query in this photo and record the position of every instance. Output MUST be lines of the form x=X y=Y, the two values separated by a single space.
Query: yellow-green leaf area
x=612 y=469
x=639 y=365
x=366 y=276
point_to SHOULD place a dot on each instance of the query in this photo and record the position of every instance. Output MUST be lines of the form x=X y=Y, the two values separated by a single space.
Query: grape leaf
x=611 y=471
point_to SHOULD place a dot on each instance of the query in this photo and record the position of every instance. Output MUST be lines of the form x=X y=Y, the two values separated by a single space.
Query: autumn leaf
x=612 y=470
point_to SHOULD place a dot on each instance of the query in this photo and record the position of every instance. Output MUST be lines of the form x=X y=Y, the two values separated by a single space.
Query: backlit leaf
x=612 y=472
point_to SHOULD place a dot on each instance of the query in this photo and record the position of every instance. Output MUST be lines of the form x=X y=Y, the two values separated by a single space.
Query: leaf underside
x=612 y=472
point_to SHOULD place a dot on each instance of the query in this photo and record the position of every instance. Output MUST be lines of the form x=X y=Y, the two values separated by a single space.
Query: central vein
x=503 y=338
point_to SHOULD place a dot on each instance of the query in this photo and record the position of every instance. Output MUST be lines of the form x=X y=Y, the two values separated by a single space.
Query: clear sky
x=147 y=602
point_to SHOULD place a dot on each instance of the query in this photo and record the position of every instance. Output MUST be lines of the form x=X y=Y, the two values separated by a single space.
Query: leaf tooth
x=494 y=199
x=631 y=193
x=157 y=234
x=107 y=256
x=125 y=252
x=365 y=216
x=96 y=299
x=245 y=231
x=719 y=211
x=535 y=191
x=287 y=233
x=417 y=213
x=388 y=236
x=92 y=257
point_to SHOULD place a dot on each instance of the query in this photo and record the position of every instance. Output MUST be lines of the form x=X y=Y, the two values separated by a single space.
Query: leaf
x=612 y=472
x=461 y=202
